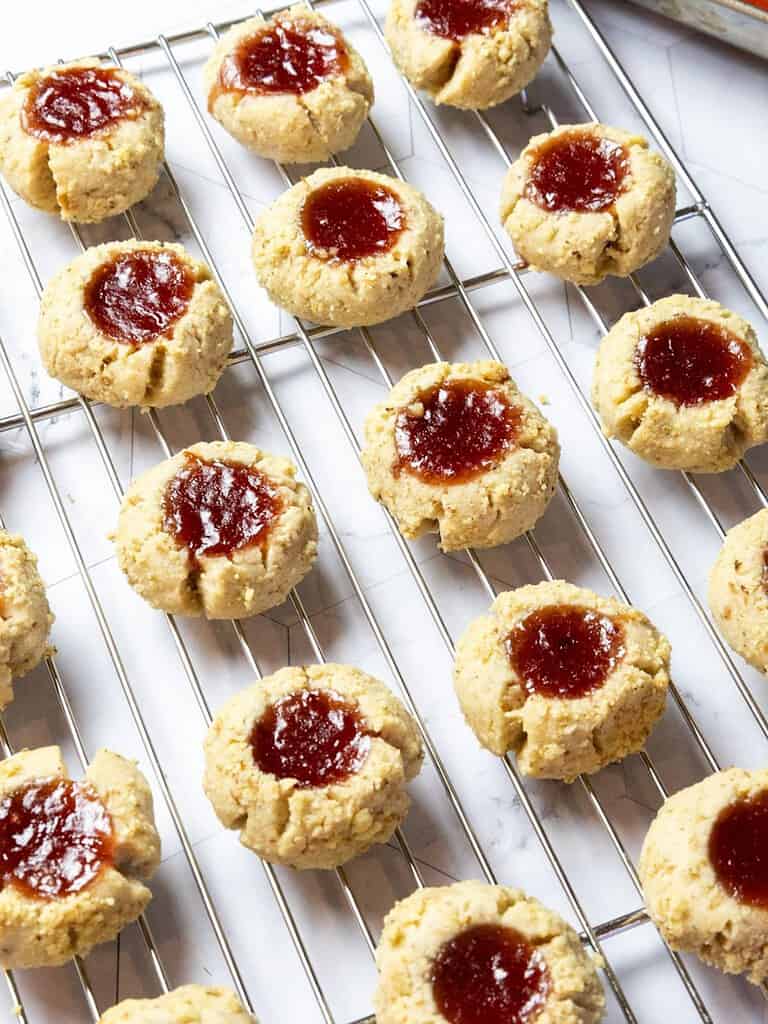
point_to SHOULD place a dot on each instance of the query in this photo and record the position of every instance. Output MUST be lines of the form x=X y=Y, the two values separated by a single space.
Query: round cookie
x=81 y=140
x=566 y=679
x=471 y=54
x=456 y=449
x=75 y=877
x=489 y=947
x=291 y=89
x=189 y=1004
x=311 y=765
x=222 y=529
x=587 y=200
x=348 y=248
x=690 y=893
x=25 y=617
x=683 y=384
x=738 y=589
x=135 y=323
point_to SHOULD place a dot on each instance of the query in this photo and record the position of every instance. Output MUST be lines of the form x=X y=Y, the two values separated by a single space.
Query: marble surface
x=710 y=100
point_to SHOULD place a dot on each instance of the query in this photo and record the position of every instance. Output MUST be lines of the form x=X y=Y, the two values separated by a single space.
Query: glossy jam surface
x=139 y=296
x=454 y=432
x=577 y=171
x=288 y=57
x=77 y=102
x=564 y=650
x=691 y=361
x=313 y=736
x=217 y=508
x=55 y=837
x=351 y=218
x=489 y=974
x=738 y=850
x=454 y=19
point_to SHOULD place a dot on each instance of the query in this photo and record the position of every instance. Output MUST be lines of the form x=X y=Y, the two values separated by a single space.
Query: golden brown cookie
x=291 y=89
x=348 y=248
x=74 y=863
x=25 y=616
x=222 y=529
x=703 y=871
x=738 y=589
x=566 y=679
x=469 y=53
x=189 y=1004
x=683 y=384
x=82 y=140
x=456 y=449
x=587 y=200
x=310 y=765
x=135 y=323
x=448 y=953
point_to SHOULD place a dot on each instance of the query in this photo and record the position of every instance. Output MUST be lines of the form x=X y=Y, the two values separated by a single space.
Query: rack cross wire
x=253 y=353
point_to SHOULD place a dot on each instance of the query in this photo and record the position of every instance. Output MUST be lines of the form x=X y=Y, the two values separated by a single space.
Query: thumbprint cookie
x=189 y=1004
x=82 y=140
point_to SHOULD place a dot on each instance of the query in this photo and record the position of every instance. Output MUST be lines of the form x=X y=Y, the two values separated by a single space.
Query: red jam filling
x=287 y=57
x=565 y=651
x=454 y=19
x=577 y=171
x=351 y=219
x=77 y=102
x=55 y=838
x=738 y=850
x=218 y=508
x=313 y=736
x=691 y=361
x=139 y=296
x=454 y=432
x=489 y=974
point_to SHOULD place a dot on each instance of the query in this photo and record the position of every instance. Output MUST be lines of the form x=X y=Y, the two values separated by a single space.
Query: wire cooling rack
x=444 y=602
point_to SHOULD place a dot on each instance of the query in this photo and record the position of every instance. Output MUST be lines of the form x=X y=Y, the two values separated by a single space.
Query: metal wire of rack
x=253 y=353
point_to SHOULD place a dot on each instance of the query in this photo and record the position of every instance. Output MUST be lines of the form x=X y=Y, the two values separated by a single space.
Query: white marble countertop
x=711 y=101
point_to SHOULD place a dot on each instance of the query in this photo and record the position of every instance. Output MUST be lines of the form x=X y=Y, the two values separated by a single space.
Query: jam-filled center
x=218 y=508
x=454 y=432
x=77 y=102
x=288 y=57
x=351 y=219
x=691 y=361
x=313 y=736
x=139 y=295
x=565 y=650
x=454 y=19
x=738 y=849
x=577 y=171
x=489 y=974
x=55 y=838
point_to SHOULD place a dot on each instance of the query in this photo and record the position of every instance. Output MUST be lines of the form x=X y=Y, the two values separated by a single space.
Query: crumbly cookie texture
x=164 y=371
x=417 y=927
x=492 y=508
x=252 y=580
x=480 y=70
x=683 y=895
x=304 y=128
x=706 y=438
x=738 y=589
x=47 y=932
x=87 y=179
x=553 y=737
x=340 y=292
x=189 y=1004
x=25 y=617
x=314 y=827
x=585 y=247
